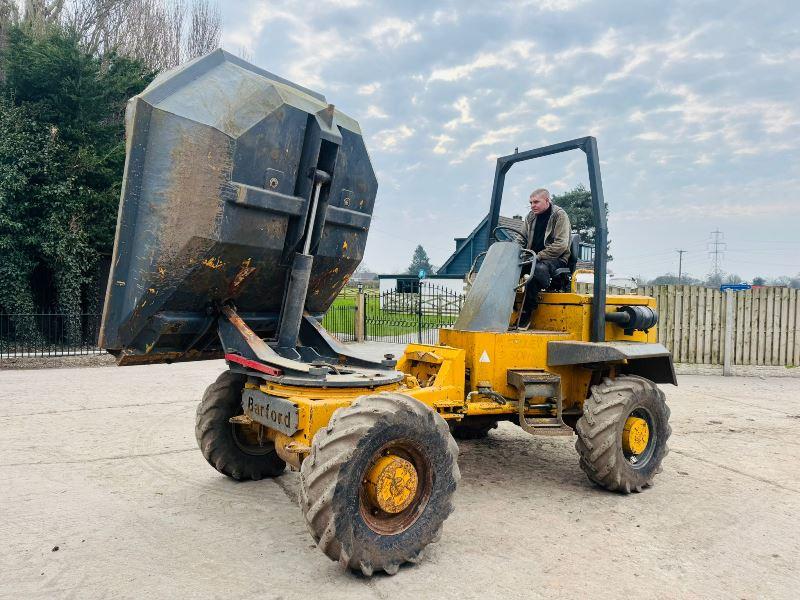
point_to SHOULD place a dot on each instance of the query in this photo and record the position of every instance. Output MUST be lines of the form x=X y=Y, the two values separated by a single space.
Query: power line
x=717 y=249
x=680 y=263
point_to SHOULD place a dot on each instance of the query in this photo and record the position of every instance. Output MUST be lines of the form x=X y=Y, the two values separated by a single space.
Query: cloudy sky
x=694 y=105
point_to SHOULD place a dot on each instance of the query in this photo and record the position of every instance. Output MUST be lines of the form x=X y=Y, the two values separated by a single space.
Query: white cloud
x=716 y=210
x=513 y=55
x=549 y=122
x=702 y=117
x=368 y=88
x=577 y=93
x=482 y=61
x=243 y=37
x=441 y=17
x=312 y=49
x=344 y=3
x=389 y=139
x=778 y=118
x=606 y=46
x=492 y=137
x=464 y=117
x=546 y=5
x=637 y=116
x=651 y=136
x=374 y=112
x=663 y=53
x=317 y=49
x=517 y=112
x=394 y=32
x=780 y=58
x=537 y=93
x=441 y=142
x=559 y=5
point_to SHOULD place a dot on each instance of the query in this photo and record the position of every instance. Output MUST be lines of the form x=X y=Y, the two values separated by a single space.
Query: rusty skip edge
x=126 y=358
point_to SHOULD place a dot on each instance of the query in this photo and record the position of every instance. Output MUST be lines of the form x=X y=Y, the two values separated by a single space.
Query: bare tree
x=41 y=13
x=9 y=12
x=205 y=29
x=153 y=31
x=97 y=22
x=9 y=15
x=246 y=53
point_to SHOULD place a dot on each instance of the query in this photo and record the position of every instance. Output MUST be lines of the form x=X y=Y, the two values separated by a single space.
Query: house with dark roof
x=467 y=248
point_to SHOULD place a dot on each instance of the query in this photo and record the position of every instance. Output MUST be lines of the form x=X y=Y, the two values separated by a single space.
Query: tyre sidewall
x=351 y=528
x=651 y=399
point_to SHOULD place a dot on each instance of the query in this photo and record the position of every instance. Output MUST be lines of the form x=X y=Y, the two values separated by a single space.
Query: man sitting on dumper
x=548 y=232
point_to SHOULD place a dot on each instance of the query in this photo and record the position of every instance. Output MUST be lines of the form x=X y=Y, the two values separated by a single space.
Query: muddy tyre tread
x=599 y=432
x=333 y=447
x=220 y=402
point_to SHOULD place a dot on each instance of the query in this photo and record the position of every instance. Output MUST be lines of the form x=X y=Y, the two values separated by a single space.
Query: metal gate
x=415 y=316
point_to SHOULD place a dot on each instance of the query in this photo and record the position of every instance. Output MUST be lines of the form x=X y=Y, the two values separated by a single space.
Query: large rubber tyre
x=222 y=447
x=331 y=493
x=600 y=429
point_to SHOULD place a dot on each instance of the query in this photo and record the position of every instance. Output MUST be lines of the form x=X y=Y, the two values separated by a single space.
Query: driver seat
x=562 y=278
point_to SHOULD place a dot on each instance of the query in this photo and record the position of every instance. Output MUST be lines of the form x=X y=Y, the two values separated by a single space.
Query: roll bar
x=589 y=147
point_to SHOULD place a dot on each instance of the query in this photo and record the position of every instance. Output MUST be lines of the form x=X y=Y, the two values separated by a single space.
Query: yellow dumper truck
x=245 y=208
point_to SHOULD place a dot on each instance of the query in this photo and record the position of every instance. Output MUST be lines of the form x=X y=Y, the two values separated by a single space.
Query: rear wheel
x=379 y=482
x=235 y=450
x=623 y=433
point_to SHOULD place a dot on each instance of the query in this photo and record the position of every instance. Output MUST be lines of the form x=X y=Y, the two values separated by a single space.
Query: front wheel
x=623 y=433
x=379 y=482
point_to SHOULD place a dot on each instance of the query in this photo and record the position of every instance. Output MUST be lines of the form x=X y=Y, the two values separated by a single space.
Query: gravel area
x=106 y=495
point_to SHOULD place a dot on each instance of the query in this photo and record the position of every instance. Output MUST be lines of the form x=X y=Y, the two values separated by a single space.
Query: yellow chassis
x=447 y=377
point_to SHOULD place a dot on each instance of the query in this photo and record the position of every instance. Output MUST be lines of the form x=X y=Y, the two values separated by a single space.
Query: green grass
x=379 y=322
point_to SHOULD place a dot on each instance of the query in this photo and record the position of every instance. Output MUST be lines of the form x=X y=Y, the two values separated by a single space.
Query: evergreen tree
x=61 y=161
x=420 y=262
x=578 y=205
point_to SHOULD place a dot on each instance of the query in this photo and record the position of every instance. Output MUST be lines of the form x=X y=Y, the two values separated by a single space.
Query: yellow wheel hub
x=635 y=435
x=391 y=483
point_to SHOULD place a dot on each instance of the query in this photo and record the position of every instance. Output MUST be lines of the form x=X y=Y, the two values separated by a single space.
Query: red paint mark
x=251 y=364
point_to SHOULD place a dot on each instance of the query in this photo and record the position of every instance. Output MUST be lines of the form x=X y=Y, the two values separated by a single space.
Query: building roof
x=407 y=276
x=476 y=242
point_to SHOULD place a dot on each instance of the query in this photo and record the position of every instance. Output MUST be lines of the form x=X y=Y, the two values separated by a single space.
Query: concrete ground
x=105 y=495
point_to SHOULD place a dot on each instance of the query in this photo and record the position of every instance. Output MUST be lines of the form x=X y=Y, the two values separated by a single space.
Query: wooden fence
x=692 y=322
x=766 y=324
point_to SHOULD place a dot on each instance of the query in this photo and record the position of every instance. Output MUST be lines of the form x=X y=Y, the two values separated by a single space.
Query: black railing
x=406 y=317
x=340 y=320
x=48 y=334
x=391 y=316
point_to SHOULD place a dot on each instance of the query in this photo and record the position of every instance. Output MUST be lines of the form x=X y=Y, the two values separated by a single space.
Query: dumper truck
x=245 y=208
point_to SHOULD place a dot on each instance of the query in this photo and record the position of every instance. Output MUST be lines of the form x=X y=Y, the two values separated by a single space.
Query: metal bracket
x=539 y=384
x=244 y=349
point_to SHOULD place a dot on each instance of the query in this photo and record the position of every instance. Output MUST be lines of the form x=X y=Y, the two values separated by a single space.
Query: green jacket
x=556 y=234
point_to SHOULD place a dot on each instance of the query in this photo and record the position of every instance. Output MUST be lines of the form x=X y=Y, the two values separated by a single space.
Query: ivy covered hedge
x=62 y=153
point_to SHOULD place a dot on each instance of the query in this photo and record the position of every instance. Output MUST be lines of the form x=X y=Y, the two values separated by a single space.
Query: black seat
x=562 y=277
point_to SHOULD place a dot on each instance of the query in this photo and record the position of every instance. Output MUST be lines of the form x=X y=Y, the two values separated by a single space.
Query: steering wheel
x=514 y=234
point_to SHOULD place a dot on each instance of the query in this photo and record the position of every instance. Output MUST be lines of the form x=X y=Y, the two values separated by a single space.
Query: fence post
x=419 y=315
x=727 y=367
x=359 y=314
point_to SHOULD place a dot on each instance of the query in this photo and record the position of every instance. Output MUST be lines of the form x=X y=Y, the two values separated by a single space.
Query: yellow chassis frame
x=447 y=377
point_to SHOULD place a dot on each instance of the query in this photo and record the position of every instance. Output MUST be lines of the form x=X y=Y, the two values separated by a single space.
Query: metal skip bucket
x=214 y=204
